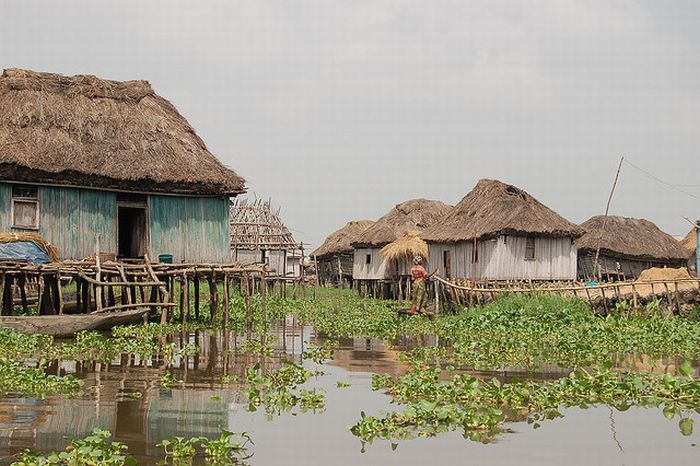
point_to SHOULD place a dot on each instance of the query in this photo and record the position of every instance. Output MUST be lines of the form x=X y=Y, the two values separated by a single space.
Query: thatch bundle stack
x=408 y=246
x=36 y=238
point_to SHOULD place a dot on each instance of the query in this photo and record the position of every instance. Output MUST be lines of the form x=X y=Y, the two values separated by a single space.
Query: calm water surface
x=593 y=436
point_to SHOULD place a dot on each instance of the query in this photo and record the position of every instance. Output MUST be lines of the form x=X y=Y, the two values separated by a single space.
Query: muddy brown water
x=203 y=405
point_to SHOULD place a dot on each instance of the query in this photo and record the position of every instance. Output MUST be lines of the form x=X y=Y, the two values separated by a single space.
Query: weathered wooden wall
x=504 y=259
x=192 y=229
x=377 y=269
x=70 y=218
x=609 y=264
x=247 y=256
x=277 y=261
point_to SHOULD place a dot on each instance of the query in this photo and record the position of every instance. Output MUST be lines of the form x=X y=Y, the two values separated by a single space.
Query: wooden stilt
x=196 y=296
x=227 y=303
x=248 y=308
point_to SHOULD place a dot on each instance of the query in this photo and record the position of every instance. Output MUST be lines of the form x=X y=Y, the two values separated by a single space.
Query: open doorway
x=132 y=232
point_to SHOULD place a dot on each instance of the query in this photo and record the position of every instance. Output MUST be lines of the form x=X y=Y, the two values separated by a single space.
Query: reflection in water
x=126 y=397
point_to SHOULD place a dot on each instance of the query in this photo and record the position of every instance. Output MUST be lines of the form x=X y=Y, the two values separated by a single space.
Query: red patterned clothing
x=418 y=272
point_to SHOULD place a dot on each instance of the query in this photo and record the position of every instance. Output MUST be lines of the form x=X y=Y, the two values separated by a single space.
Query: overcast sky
x=338 y=110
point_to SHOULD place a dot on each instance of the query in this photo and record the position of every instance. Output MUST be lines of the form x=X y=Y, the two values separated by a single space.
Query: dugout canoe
x=69 y=324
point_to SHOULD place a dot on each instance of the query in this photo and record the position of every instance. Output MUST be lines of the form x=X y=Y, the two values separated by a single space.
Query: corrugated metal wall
x=192 y=229
x=504 y=259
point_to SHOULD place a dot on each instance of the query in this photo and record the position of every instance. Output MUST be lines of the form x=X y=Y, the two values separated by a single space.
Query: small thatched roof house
x=627 y=246
x=81 y=156
x=334 y=256
x=690 y=244
x=416 y=214
x=258 y=235
x=500 y=232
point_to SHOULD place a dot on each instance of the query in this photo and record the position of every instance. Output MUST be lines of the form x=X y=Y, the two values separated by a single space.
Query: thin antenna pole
x=596 y=268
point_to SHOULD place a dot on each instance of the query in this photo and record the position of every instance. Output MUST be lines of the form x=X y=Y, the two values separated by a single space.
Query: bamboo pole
x=163 y=290
x=98 y=273
x=248 y=308
x=227 y=303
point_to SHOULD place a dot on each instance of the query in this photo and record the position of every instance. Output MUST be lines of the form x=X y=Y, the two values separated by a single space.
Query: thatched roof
x=494 y=208
x=340 y=241
x=86 y=131
x=416 y=214
x=634 y=238
x=408 y=246
x=689 y=243
x=256 y=225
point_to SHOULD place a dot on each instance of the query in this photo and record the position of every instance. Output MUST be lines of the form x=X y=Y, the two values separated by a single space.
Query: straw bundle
x=409 y=245
x=36 y=238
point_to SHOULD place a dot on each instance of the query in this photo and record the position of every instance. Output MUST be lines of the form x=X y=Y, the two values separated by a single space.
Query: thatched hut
x=627 y=246
x=416 y=214
x=690 y=244
x=334 y=256
x=82 y=156
x=258 y=235
x=500 y=232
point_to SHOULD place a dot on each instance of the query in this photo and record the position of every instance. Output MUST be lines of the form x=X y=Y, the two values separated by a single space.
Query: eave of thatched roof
x=86 y=131
x=689 y=243
x=494 y=208
x=340 y=241
x=416 y=214
x=633 y=238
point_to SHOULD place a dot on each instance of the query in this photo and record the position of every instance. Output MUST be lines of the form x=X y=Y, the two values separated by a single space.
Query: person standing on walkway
x=420 y=296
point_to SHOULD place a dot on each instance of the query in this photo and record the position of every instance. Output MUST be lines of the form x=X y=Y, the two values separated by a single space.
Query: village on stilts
x=156 y=307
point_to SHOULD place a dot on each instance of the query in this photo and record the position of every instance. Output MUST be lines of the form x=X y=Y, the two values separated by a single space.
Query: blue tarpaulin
x=24 y=251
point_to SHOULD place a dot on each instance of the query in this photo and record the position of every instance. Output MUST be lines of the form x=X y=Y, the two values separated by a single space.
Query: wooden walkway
x=602 y=296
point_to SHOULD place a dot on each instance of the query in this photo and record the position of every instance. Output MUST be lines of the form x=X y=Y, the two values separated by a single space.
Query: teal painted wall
x=5 y=206
x=192 y=229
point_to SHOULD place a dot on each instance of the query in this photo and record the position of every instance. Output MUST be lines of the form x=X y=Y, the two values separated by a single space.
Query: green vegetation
x=274 y=390
x=229 y=448
x=93 y=450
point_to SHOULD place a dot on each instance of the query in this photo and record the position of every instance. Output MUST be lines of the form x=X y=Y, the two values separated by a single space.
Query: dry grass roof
x=494 y=208
x=409 y=246
x=633 y=238
x=689 y=243
x=340 y=241
x=416 y=214
x=87 y=131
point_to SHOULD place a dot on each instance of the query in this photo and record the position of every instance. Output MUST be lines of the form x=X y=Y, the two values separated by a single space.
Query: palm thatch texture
x=87 y=131
x=340 y=241
x=408 y=246
x=416 y=214
x=632 y=238
x=256 y=225
x=493 y=209
x=36 y=238
x=689 y=243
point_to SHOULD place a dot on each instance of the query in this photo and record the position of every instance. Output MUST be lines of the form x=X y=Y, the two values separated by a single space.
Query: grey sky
x=338 y=110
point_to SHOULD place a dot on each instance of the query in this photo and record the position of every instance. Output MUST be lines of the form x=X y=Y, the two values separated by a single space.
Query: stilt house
x=335 y=256
x=627 y=246
x=258 y=235
x=500 y=232
x=82 y=156
x=416 y=214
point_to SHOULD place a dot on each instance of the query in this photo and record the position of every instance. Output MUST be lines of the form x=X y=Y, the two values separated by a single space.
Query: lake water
x=202 y=405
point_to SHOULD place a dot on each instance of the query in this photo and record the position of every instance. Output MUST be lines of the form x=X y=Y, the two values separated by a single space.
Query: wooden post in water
x=248 y=308
x=213 y=296
x=186 y=310
x=98 y=274
x=182 y=297
x=196 y=295
x=227 y=304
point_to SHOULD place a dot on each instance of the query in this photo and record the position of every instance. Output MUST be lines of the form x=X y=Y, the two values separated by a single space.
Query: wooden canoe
x=69 y=324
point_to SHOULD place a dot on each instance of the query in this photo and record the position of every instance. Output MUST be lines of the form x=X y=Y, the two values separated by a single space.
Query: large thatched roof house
x=416 y=214
x=334 y=256
x=627 y=246
x=500 y=232
x=690 y=244
x=81 y=156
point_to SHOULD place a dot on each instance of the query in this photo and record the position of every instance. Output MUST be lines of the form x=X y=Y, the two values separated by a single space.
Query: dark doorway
x=132 y=232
